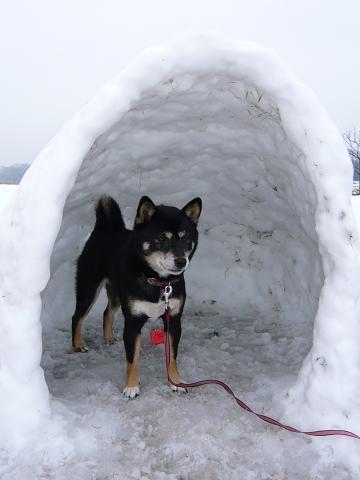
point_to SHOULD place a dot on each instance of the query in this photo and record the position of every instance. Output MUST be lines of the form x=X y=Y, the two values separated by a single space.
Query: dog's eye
x=185 y=240
x=188 y=244
x=165 y=236
x=161 y=241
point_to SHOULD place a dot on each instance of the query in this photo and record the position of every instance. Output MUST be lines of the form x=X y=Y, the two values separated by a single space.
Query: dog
x=133 y=265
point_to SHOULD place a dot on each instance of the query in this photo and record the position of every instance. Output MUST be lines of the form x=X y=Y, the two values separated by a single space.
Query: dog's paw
x=111 y=340
x=131 y=392
x=81 y=347
x=178 y=389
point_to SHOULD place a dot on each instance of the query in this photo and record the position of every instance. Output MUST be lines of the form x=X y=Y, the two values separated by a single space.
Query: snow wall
x=203 y=116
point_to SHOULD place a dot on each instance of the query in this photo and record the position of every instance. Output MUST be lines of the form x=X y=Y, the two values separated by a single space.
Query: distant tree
x=352 y=141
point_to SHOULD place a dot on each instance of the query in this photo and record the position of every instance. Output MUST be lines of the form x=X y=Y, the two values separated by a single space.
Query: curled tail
x=108 y=216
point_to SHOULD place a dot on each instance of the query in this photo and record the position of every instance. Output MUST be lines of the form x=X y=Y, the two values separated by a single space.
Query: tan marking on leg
x=131 y=389
x=173 y=373
x=79 y=344
x=109 y=315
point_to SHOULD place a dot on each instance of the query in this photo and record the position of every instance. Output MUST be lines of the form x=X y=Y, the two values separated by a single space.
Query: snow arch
x=203 y=115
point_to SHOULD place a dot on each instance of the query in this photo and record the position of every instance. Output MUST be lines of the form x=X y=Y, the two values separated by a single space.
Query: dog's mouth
x=172 y=271
x=176 y=272
x=167 y=270
x=167 y=265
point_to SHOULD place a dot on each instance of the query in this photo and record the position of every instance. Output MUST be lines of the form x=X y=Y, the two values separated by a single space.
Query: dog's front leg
x=175 y=335
x=132 y=342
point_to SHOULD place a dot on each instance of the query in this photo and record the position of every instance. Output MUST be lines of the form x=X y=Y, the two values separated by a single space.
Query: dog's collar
x=161 y=283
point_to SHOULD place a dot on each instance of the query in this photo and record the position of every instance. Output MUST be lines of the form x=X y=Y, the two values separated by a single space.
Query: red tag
x=157 y=336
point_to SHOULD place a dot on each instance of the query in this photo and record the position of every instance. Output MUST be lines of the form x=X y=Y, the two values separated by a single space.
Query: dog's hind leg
x=109 y=313
x=86 y=295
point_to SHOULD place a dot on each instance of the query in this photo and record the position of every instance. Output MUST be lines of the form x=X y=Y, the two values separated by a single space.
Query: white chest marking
x=154 y=310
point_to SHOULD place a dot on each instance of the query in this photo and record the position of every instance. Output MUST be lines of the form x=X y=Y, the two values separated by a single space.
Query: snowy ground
x=6 y=191
x=167 y=436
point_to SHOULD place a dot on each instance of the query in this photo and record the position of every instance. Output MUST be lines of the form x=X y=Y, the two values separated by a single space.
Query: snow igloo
x=204 y=116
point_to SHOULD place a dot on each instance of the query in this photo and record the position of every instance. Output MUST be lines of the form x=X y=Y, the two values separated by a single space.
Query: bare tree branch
x=352 y=141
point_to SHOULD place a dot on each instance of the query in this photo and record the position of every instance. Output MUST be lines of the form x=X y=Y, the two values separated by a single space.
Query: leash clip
x=167 y=294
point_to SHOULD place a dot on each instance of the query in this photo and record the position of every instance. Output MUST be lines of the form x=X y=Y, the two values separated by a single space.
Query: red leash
x=264 y=418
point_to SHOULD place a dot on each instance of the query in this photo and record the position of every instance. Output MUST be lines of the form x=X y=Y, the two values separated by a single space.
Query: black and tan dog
x=159 y=247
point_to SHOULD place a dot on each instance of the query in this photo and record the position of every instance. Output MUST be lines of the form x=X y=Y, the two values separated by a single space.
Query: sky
x=55 y=54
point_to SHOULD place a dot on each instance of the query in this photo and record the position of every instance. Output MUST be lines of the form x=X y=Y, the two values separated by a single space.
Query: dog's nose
x=180 y=262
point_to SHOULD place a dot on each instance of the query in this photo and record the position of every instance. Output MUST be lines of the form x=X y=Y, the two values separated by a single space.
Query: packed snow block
x=203 y=116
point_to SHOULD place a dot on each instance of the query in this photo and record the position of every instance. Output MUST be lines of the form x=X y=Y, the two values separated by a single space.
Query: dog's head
x=166 y=237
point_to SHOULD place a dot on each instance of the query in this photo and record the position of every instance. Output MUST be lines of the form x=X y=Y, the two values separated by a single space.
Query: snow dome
x=221 y=119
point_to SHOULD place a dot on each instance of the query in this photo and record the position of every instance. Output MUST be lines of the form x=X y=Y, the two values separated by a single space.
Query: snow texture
x=273 y=281
x=6 y=191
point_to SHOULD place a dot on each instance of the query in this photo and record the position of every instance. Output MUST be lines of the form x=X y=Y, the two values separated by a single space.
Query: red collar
x=161 y=283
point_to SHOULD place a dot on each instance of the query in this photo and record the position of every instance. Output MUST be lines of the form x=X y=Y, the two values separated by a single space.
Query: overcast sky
x=55 y=54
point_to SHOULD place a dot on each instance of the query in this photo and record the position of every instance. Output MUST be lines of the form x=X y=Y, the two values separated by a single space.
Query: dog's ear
x=145 y=210
x=193 y=209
